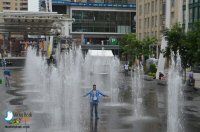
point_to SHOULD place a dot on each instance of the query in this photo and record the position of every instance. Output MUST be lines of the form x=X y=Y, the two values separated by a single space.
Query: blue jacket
x=98 y=94
x=7 y=72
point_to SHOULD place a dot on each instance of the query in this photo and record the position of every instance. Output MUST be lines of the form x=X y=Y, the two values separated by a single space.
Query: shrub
x=153 y=68
x=152 y=74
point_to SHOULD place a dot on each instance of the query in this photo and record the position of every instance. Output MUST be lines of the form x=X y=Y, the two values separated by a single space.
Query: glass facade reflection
x=194 y=12
x=103 y=21
x=109 y=1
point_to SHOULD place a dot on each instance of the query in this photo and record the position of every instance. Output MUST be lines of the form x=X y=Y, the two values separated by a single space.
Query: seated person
x=161 y=76
x=51 y=59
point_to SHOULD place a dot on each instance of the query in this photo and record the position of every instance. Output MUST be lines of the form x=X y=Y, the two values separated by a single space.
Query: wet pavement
x=113 y=117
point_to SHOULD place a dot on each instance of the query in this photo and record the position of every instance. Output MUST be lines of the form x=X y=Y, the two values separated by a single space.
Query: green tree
x=153 y=68
x=146 y=43
x=174 y=37
x=186 y=44
x=177 y=44
x=194 y=41
x=130 y=46
x=134 y=47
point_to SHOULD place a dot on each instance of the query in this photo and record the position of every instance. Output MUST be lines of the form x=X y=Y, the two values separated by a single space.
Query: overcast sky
x=33 y=5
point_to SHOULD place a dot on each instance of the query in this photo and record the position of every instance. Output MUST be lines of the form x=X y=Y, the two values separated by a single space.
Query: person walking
x=161 y=76
x=7 y=76
x=94 y=100
x=126 y=68
x=191 y=80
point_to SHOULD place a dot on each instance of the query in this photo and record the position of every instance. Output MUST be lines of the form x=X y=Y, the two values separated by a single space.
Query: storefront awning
x=100 y=53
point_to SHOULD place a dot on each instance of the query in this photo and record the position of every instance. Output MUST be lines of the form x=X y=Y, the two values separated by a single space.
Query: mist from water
x=137 y=88
x=161 y=61
x=175 y=98
x=57 y=91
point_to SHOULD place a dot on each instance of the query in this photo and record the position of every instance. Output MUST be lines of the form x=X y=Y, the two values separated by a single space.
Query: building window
x=172 y=3
x=172 y=17
x=161 y=20
x=152 y=22
x=195 y=13
x=190 y=16
x=108 y=1
x=184 y=19
x=145 y=23
x=156 y=6
x=155 y=21
x=145 y=8
x=152 y=7
x=140 y=10
x=199 y=12
x=140 y=23
x=6 y=3
x=103 y=21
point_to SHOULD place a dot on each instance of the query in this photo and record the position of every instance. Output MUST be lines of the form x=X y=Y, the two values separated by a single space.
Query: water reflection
x=94 y=125
x=112 y=118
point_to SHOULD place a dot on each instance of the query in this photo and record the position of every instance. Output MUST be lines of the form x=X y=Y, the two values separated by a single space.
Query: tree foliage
x=186 y=44
x=174 y=37
x=193 y=39
x=134 y=47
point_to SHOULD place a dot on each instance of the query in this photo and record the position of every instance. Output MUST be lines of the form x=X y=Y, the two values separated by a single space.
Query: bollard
x=0 y=81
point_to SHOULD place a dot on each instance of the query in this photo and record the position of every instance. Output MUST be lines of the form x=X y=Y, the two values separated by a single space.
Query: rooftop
x=33 y=23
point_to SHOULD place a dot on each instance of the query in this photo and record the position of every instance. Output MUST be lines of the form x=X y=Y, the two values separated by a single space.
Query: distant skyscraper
x=14 y=5
x=151 y=18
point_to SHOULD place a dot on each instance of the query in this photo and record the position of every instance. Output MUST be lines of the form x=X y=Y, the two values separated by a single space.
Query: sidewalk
x=197 y=80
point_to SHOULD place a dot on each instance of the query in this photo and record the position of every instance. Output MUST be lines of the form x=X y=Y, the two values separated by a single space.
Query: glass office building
x=103 y=21
x=193 y=11
x=109 y=1
x=98 y=20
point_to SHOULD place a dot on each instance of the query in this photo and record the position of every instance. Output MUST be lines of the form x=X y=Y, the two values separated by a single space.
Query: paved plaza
x=113 y=118
x=124 y=61
x=197 y=78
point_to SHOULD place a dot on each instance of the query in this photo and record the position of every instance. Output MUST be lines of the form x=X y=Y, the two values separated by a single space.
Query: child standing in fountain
x=94 y=100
